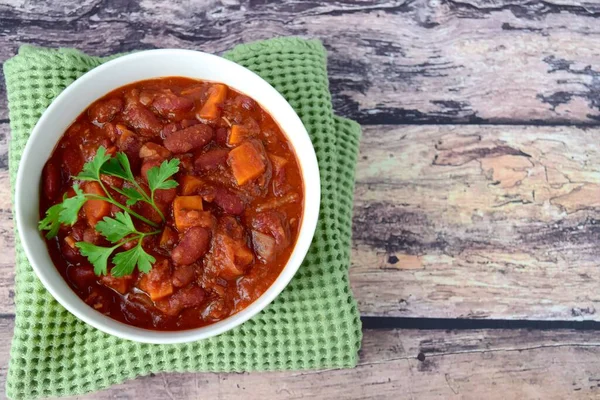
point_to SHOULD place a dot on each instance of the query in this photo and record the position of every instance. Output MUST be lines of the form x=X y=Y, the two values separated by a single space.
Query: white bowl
x=112 y=75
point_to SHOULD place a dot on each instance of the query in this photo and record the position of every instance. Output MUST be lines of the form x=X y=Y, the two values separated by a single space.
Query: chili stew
x=177 y=203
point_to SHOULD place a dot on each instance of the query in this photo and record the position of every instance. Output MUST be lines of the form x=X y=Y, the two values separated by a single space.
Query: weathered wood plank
x=484 y=364
x=390 y=61
x=478 y=222
x=461 y=221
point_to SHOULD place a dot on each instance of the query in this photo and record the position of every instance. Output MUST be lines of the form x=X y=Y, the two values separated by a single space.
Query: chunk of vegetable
x=278 y=162
x=121 y=284
x=238 y=134
x=246 y=162
x=264 y=246
x=186 y=211
x=189 y=184
x=211 y=110
x=194 y=244
x=274 y=223
x=95 y=210
x=154 y=151
x=168 y=238
x=157 y=282
x=191 y=138
x=230 y=255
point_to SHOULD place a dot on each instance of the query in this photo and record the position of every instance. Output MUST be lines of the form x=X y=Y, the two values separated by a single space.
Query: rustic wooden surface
x=478 y=183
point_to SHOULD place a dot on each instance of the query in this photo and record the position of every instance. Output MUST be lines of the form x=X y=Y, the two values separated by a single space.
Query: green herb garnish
x=120 y=229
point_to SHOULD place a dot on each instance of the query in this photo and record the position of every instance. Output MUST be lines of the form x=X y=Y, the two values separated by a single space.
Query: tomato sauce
x=230 y=225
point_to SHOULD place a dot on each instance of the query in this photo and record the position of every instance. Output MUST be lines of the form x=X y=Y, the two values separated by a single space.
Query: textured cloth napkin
x=314 y=323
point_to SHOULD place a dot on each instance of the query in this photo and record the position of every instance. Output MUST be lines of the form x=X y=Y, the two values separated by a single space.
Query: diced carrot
x=189 y=185
x=237 y=135
x=154 y=151
x=278 y=162
x=246 y=162
x=168 y=238
x=157 y=282
x=243 y=255
x=211 y=110
x=69 y=240
x=186 y=210
x=125 y=135
x=95 y=210
x=120 y=284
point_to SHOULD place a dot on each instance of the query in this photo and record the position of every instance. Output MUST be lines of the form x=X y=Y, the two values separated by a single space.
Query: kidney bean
x=51 y=179
x=105 y=111
x=177 y=126
x=164 y=198
x=169 y=105
x=211 y=159
x=193 y=245
x=129 y=143
x=229 y=201
x=91 y=235
x=147 y=165
x=142 y=120
x=187 y=297
x=186 y=123
x=81 y=275
x=191 y=138
x=183 y=275
x=72 y=160
x=221 y=136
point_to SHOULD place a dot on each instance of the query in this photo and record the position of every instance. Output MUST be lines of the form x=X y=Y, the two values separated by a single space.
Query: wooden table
x=477 y=206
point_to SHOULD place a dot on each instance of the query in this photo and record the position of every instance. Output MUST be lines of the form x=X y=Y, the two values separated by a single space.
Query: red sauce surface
x=231 y=224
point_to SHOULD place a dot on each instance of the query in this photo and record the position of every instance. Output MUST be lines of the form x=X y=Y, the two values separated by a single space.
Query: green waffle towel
x=313 y=324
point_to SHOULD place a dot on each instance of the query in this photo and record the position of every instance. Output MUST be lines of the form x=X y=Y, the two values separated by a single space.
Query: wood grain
x=421 y=61
x=402 y=364
x=478 y=222
x=461 y=222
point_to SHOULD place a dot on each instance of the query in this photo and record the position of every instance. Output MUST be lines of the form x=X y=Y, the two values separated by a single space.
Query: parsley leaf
x=71 y=206
x=97 y=256
x=118 y=166
x=126 y=261
x=115 y=229
x=121 y=226
x=91 y=169
x=51 y=223
x=157 y=176
x=133 y=196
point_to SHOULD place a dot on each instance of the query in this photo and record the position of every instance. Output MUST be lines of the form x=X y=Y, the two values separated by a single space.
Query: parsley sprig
x=120 y=229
